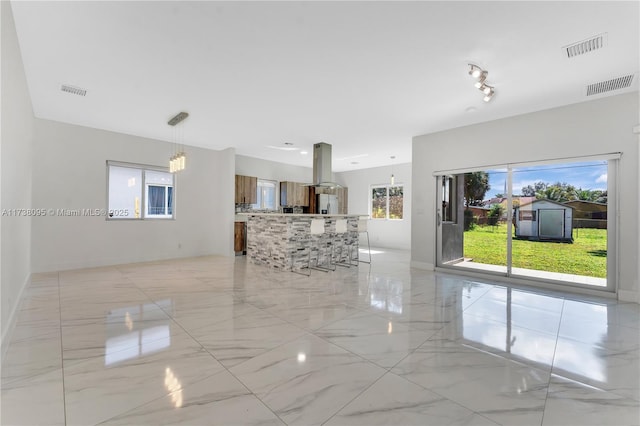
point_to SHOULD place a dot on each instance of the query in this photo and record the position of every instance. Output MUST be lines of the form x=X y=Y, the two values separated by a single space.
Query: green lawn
x=586 y=256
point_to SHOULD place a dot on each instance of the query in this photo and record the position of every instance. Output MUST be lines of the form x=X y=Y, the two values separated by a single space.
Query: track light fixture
x=481 y=76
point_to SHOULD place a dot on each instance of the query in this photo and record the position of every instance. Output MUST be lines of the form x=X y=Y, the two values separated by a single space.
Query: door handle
x=439 y=219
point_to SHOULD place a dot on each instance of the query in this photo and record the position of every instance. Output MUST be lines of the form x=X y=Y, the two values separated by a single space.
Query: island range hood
x=322 y=174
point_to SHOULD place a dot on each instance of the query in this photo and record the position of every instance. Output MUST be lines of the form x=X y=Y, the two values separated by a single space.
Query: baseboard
x=628 y=296
x=422 y=265
x=8 y=331
x=106 y=262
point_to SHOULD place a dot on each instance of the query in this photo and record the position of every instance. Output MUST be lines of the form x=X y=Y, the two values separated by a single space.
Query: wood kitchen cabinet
x=294 y=194
x=343 y=200
x=246 y=189
x=239 y=237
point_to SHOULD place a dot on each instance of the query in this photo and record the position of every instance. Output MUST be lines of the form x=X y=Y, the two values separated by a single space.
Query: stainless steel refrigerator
x=326 y=204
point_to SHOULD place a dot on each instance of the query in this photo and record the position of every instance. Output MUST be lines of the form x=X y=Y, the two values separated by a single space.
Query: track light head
x=486 y=89
x=475 y=71
x=481 y=79
x=488 y=95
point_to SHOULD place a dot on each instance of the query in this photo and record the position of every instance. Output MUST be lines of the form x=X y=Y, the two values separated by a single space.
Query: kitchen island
x=285 y=241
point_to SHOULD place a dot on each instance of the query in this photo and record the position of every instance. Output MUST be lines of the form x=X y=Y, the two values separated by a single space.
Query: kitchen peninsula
x=284 y=241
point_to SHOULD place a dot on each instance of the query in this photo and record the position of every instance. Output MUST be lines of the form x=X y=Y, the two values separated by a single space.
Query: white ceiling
x=362 y=76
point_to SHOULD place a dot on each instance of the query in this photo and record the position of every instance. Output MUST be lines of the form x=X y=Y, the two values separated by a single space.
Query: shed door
x=551 y=223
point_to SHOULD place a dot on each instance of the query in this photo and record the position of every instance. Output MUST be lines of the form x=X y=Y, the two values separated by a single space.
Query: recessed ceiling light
x=352 y=157
x=283 y=148
x=303 y=152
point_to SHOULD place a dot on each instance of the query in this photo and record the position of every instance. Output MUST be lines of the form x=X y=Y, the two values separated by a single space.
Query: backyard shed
x=544 y=220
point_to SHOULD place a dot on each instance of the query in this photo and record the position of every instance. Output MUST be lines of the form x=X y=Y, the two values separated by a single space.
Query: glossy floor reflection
x=217 y=340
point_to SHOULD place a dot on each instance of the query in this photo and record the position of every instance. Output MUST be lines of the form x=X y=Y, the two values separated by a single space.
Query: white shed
x=544 y=220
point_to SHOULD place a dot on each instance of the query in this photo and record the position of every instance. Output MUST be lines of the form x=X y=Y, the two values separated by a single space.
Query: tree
x=559 y=192
x=495 y=213
x=600 y=196
x=476 y=185
x=584 y=194
x=595 y=195
x=531 y=191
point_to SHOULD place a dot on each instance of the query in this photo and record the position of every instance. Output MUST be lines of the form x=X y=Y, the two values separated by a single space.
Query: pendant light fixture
x=393 y=178
x=178 y=160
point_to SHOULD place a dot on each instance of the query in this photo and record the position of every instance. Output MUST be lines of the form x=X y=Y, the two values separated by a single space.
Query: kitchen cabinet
x=239 y=237
x=294 y=194
x=343 y=200
x=246 y=189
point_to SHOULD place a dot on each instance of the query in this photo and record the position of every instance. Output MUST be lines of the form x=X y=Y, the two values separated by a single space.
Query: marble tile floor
x=218 y=340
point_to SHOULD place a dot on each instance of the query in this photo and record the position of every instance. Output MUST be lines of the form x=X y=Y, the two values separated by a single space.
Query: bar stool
x=317 y=229
x=341 y=229
x=362 y=228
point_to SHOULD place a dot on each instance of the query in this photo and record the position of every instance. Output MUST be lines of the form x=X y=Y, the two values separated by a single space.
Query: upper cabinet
x=246 y=189
x=343 y=200
x=294 y=194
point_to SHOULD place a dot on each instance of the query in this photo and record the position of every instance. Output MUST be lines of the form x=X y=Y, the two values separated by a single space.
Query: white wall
x=588 y=128
x=382 y=233
x=15 y=176
x=271 y=170
x=69 y=172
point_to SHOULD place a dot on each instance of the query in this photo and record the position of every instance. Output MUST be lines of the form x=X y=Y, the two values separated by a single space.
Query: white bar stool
x=341 y=229
x=317 y=229
x=362 y=228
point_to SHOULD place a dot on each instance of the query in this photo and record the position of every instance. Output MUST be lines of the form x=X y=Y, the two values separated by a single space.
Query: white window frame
x=260 y=186
x=387 y=186
x=613 y=239
x=166 y=201
x=144 y=189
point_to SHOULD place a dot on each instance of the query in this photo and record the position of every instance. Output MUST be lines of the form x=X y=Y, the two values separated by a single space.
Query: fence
x=590 y=223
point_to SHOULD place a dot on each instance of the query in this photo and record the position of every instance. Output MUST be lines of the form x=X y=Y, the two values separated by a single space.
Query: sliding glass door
x=552 y=222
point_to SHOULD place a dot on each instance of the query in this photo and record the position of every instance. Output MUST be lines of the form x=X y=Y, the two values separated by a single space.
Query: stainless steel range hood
x=322 y=175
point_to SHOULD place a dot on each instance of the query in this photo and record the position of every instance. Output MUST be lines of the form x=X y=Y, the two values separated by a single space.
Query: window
x=387 y=202
x=128 y=200
x=527 y=215
x=266 y=195
x=449 y=198
x=159 y=194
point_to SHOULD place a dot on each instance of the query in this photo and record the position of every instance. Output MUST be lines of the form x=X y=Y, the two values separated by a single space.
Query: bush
x=495 y=213
x=469 y=220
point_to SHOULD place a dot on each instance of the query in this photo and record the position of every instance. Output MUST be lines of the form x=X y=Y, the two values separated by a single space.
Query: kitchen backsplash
x=246 y=208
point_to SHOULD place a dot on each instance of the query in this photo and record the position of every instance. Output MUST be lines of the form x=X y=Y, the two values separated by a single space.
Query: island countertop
x=284 y=240
x=302 y=214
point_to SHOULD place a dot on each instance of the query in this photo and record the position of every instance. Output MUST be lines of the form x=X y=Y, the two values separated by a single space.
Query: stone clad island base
x=284 y=241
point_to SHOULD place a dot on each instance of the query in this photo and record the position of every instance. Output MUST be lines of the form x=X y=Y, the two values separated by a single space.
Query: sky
x=585 y=175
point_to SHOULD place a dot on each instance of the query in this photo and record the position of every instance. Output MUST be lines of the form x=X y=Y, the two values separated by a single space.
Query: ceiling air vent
x=73 y=90
x=585 y=46
x=610 y=85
